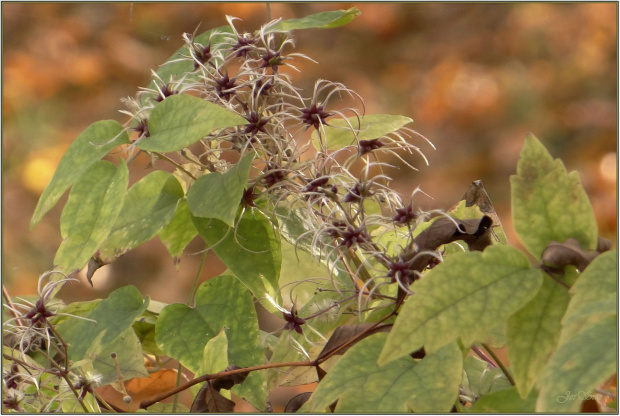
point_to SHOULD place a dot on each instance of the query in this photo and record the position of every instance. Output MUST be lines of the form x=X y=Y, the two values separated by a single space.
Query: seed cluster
x=343 y=195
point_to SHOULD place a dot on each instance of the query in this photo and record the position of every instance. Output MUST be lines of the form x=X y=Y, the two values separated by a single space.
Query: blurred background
x=476 y=78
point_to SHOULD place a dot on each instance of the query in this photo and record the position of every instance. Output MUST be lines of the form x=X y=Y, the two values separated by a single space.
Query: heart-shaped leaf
x=222 y=302
x=218 y=195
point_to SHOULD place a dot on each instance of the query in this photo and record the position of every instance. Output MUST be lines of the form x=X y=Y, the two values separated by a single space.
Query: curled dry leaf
x=475 y=232
x=344 y=333
x=94 y=264
x=296 y=402
x=558 y=255
x=209 y=400
x=477 y=195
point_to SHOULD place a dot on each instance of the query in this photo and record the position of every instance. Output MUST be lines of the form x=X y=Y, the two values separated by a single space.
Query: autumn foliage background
x=474 y=77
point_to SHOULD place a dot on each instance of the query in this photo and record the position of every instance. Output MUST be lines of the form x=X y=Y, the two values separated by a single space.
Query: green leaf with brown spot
x=547 y=203
x=593 y=296
x=467 y=295
x=580 y=365
x=403 y=385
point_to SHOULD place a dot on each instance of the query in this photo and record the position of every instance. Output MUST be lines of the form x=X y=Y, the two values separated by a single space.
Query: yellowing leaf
x=467 y=295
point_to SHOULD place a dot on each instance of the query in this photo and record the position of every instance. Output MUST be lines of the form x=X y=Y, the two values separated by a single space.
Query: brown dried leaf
x=475 y=232
x=558 y=255
x=144 y=388
x=477 y=195
x=344 y=333
x=602 y=244
x=209 y=400
x=94 y=264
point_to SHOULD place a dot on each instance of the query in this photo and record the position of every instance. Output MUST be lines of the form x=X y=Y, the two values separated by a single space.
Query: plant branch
x=146 y=403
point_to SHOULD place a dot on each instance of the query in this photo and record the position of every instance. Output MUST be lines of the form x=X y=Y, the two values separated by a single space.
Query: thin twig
x=499 y=363
x=482 y=355
x=146 y=403
x=6 y=295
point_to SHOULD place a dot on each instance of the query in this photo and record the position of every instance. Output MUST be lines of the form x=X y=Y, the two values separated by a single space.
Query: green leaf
x=129 y=357
x=579 y=365
x=112 y=315
x=218 y=195
x=594 y=294
x=71 y=405
x=94 y=204
x=251 y=251
x=505 y=401
x=148 y=207
x=215 y=354
x=479 y=378
x=180 y=231
x=427 y=385
x=181 y=120
x=297 y=267
x=214 y=358
x=467 y=295
x=547 y=203
x=145 y=331
x=90 y=146
x=221 y=302
x=324 y=20
x=75 y=308
x=533 y=333
x=339 y=134
x=112 y=331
